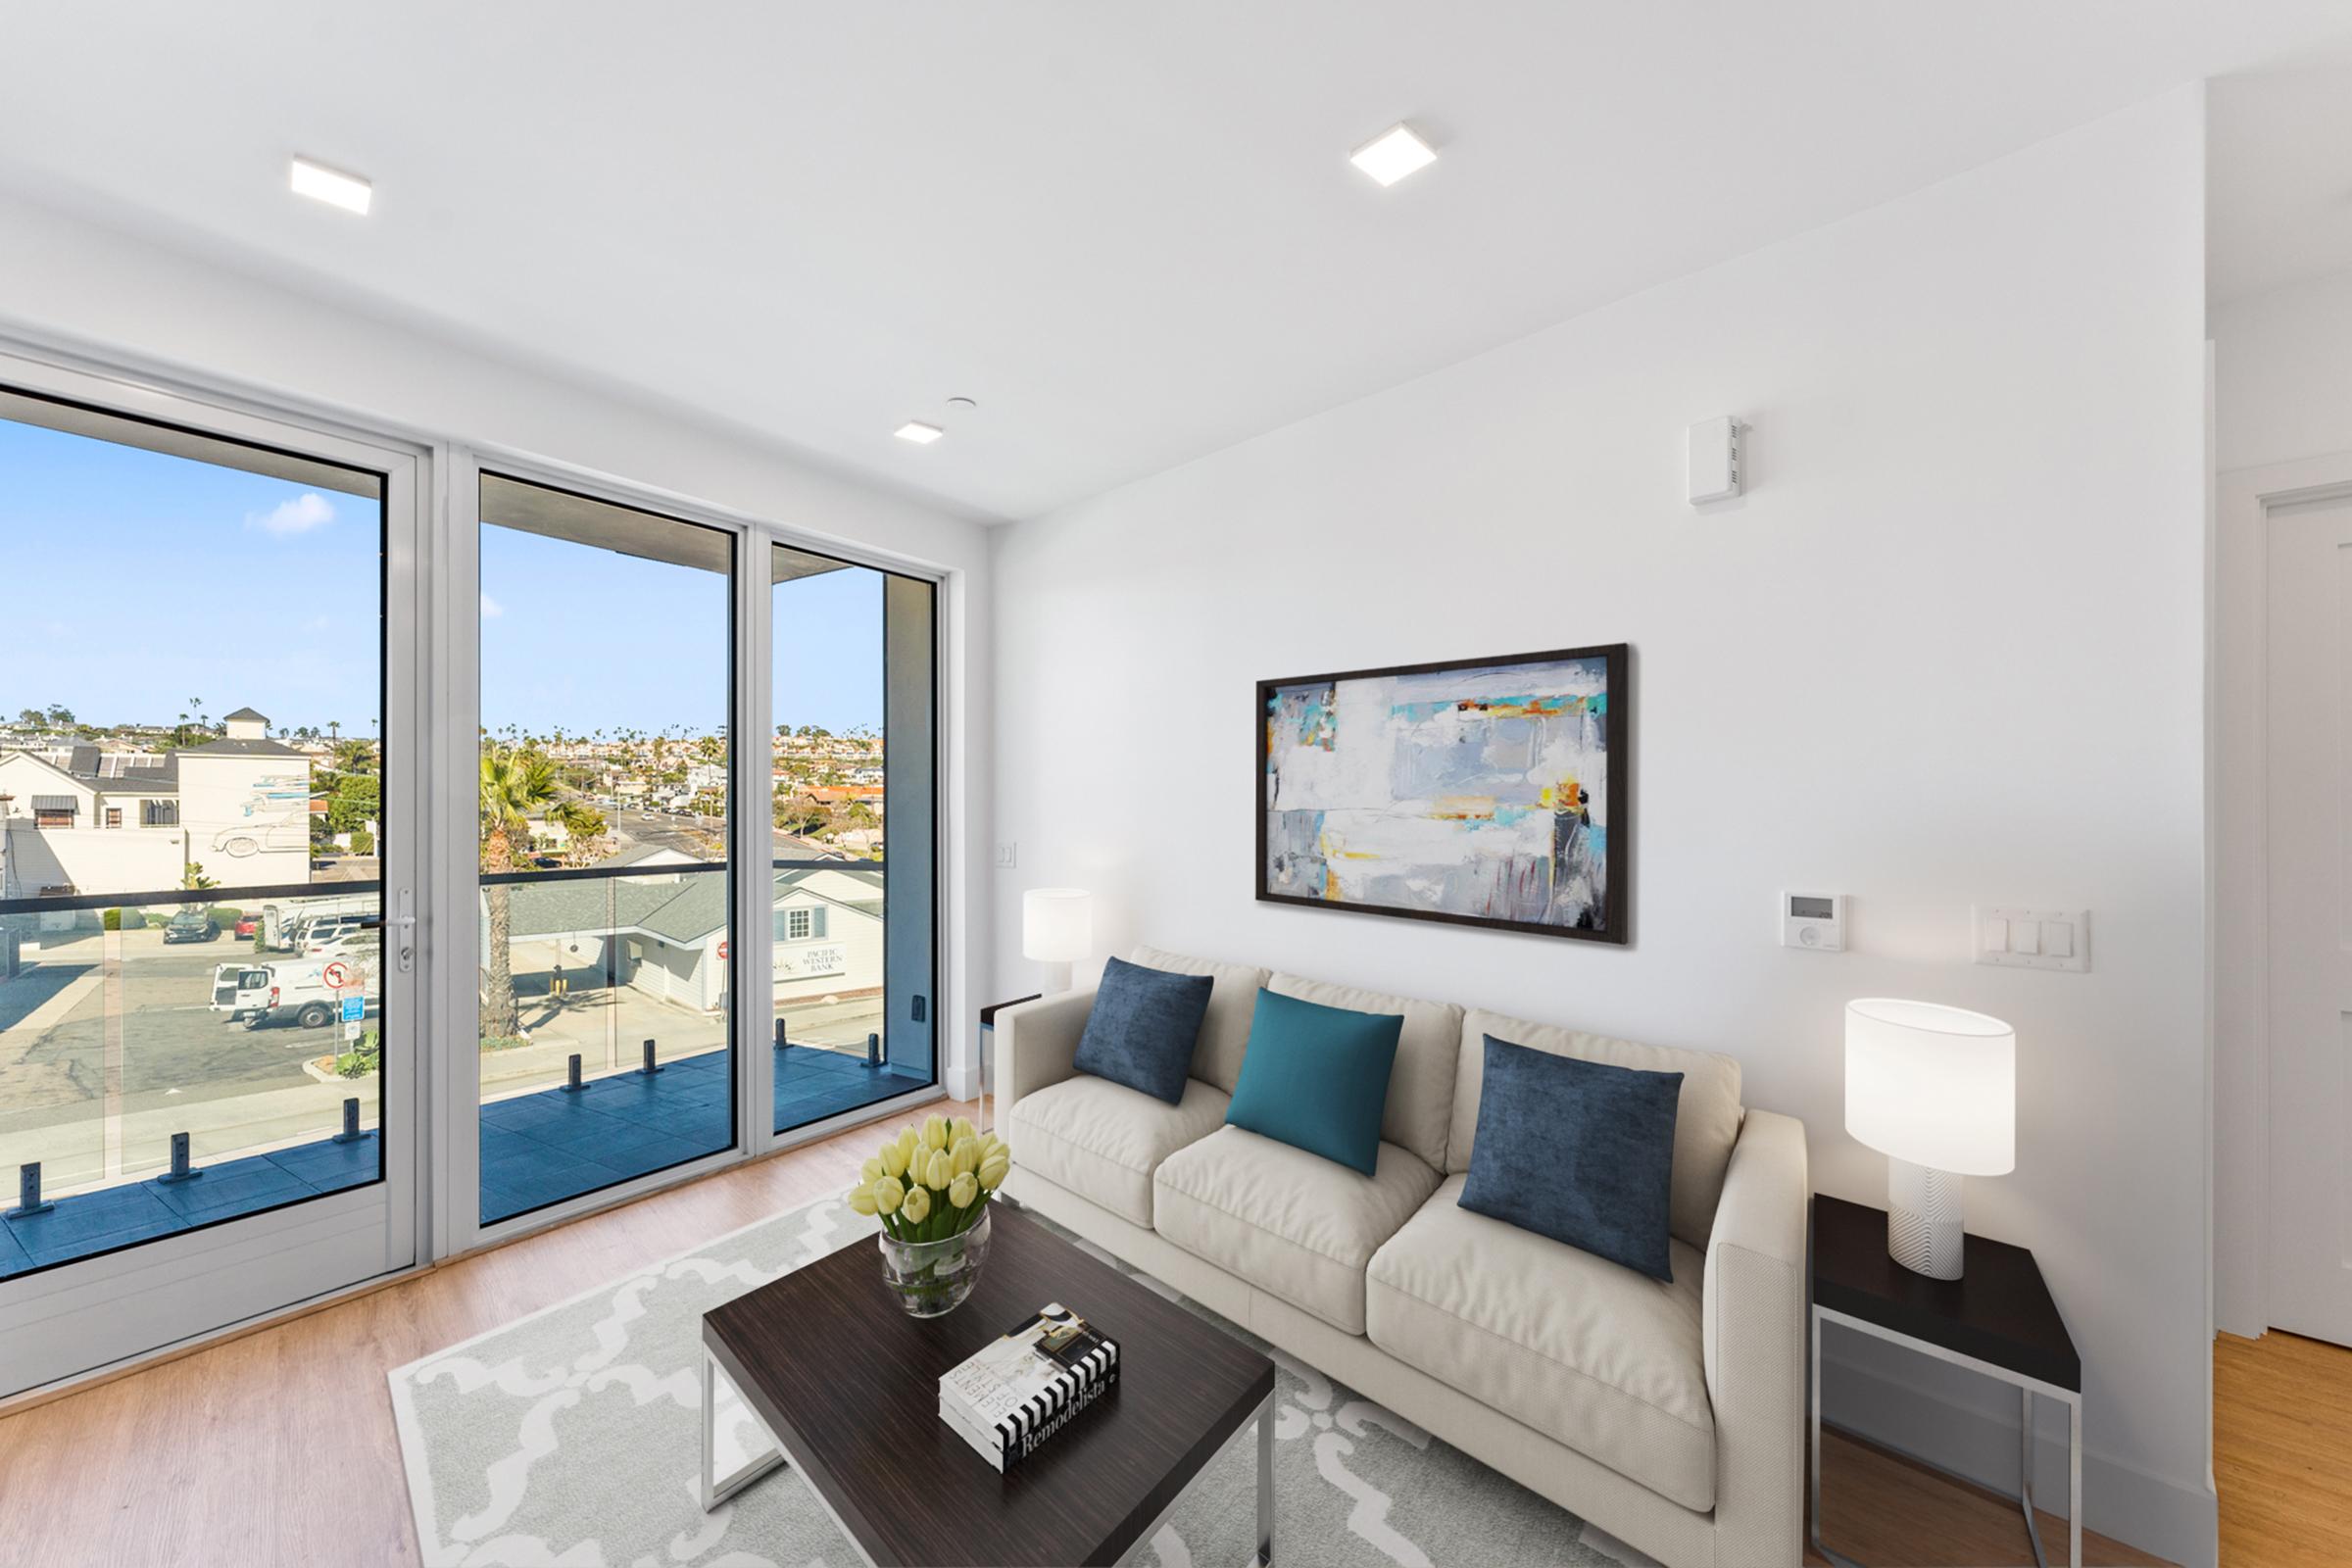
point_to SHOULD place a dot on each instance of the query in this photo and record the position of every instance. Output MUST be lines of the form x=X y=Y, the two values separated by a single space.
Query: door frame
x=2239 y=920
x=82 y=1320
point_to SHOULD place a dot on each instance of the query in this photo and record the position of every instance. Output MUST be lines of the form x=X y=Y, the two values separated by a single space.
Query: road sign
x=338 y=975
x=351 y=1031
x=354 y=1009
x=722 y=950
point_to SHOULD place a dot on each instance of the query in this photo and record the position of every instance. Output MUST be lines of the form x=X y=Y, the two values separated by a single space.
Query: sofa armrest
x=1753 y=1316
x=1036 y=1045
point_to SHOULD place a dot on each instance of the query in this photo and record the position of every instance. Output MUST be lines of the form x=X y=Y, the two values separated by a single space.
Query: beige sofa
x=1671 y=1415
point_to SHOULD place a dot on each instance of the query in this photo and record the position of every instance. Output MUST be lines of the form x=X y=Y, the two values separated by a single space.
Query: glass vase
x=931 y=1279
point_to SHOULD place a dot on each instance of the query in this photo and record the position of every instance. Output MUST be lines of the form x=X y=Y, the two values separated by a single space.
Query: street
x=185 y=1068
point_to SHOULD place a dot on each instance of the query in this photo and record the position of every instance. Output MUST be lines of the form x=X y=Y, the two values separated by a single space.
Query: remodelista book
x=1009 y=1396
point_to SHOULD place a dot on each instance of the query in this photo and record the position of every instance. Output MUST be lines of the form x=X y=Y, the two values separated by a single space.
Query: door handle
x=403 y=927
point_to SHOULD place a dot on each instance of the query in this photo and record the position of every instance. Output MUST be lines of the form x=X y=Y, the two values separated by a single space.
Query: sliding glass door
x=606 y=828
x=206 y=804
x=854 y=762
x=252 y=685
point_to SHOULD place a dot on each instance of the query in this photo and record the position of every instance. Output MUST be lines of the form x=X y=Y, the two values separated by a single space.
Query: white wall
x=67 y=283
x=2282 y=374
x=1948 y=650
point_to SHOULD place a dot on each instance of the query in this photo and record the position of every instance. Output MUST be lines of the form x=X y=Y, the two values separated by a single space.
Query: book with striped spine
x=1008 y=1399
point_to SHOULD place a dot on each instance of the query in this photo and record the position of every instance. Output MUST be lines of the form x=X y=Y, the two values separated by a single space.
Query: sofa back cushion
x=1225 y=1029
x=1706 y=1118
x=1421 y=1085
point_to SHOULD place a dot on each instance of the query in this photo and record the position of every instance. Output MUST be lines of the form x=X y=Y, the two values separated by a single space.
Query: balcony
x=114 y=1041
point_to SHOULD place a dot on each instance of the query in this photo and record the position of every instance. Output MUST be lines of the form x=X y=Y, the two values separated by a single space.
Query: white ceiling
x=2279 y=178
x=1129 y=230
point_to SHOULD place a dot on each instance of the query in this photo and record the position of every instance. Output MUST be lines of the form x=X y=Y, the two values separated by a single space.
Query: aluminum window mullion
x=753 y=758
x=449 y=904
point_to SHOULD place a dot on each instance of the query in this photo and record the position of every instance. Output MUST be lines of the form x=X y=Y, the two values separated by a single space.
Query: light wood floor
x=277 y=1448
x=2282 y=1450
x=1882 y=1509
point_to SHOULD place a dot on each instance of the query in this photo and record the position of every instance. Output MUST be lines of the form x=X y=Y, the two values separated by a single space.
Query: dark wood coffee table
x=847 y=1386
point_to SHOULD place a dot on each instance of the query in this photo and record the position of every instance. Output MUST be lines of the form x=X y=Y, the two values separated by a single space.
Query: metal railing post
x=180 y=1171
x=28 y=1191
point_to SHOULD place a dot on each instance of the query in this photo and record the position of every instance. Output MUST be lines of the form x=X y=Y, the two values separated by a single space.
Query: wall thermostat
x=1815 y=920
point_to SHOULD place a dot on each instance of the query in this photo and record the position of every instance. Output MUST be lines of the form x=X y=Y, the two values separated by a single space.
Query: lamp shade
x=1058 y=925
x=1931 y=1085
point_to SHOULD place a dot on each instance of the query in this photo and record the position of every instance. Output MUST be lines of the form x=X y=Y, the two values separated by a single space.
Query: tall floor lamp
x=1935 y=1090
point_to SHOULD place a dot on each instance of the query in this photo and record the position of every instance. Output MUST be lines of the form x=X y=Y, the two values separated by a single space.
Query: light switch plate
x=2017 y=938
x=1009 y=855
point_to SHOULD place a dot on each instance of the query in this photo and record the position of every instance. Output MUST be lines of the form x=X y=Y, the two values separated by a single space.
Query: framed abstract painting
x=1479 y=791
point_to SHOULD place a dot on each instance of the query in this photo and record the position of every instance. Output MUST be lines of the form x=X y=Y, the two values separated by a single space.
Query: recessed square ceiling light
x=1394 y=154
x=921 y=434
x=331 y=186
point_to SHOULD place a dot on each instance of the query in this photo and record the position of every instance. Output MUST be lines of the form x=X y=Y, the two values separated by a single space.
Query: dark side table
x=1997 y=1318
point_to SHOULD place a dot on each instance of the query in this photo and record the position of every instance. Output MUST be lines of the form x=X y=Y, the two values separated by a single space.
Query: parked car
x=191 y=925
x=249 y=925
x=362 y=948
x=323 y=931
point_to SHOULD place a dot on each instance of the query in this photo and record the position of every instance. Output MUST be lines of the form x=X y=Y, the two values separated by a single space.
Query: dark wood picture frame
x=1615 y=861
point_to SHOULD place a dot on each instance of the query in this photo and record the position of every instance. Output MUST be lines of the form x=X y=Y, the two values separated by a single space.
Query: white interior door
x=2310 y=918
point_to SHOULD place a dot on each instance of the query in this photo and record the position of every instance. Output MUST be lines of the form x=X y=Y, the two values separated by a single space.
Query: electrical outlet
x=1009 y=855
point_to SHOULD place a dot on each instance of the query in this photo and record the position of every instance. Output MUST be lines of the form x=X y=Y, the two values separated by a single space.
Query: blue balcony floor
x=86 y=1223
x=536 y=1150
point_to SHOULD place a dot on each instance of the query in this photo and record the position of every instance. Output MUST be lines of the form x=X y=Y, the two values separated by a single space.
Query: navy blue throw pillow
x=1317 y=1078
x=1143 y=1028
x=1577 y=1150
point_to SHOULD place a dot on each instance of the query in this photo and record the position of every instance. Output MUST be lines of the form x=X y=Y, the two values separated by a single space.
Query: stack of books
x=1010 y=1396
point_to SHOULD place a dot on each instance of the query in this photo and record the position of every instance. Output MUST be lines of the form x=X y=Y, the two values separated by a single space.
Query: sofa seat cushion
x=1584 y=1351
x=1103 y=1141
x=1294 y=1224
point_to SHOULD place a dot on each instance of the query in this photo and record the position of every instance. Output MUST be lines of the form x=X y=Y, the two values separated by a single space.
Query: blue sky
x=150 y=581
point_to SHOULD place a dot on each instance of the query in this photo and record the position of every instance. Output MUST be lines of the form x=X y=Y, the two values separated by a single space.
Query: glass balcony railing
x=828 y=1021
x=605 y=998
x=607 y=972
x=172 y=1059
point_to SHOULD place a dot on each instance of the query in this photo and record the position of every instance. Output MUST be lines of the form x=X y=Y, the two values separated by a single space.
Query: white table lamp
x=1935 y=1090
x=1057 y=928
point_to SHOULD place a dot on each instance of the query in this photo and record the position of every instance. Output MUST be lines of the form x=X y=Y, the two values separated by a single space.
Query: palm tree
x=514 y=784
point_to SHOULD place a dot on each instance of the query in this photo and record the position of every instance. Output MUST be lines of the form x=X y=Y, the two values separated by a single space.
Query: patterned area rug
x=570 y=1437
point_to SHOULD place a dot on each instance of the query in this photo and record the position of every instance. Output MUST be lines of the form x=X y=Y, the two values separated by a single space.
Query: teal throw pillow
x=1316 y=1078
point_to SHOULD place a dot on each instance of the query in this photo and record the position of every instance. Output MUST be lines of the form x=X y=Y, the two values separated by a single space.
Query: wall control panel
x=2018 y=938
x=1815 y=920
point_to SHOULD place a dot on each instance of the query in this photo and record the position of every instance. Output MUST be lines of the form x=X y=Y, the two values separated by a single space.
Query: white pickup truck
x=258 y=994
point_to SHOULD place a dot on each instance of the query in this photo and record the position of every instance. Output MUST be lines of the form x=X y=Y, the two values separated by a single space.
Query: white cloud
x=492 y=609
x=306 y=511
